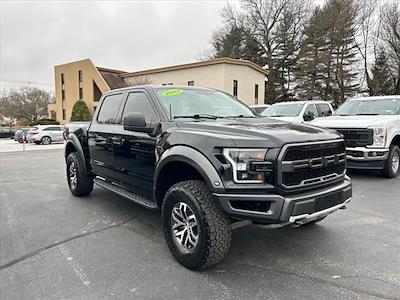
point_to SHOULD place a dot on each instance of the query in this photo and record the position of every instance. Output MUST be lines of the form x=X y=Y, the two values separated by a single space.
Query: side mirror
x=137 y=122
x=308 y=116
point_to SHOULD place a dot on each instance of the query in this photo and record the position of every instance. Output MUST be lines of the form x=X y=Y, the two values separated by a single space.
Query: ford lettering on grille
x=304 y=165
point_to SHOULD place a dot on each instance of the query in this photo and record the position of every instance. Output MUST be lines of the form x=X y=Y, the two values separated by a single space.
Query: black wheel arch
x=396 y=140
x=73 y=145
x=192 y=164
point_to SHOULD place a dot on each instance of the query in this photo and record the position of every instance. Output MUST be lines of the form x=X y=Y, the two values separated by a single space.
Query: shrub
x=80 y=112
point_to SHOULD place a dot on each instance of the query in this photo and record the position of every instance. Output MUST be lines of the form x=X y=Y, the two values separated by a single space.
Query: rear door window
x=324 y=109
x=52 y=129
x=109 y=109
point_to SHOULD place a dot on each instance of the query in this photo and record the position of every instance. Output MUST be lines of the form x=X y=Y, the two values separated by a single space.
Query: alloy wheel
x=46 y=140
x=395 y=162
x=72 y=175
x=185 y=228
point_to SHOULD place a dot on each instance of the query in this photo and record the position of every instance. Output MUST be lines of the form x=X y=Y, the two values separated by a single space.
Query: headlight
x=244 y=164
x=379 y=137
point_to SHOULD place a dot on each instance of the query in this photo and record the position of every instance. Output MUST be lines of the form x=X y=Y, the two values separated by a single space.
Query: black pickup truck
x=205 y=160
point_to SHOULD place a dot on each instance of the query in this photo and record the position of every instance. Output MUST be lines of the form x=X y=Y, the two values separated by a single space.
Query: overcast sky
x=127 y=35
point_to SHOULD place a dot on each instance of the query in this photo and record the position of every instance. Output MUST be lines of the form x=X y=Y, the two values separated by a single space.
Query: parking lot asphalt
x=56 y=246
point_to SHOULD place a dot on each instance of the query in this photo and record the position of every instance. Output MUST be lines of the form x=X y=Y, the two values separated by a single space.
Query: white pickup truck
x=298 y=111
x=371 y=130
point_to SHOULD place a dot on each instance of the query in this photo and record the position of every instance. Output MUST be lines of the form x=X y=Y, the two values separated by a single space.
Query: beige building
x=83 y=80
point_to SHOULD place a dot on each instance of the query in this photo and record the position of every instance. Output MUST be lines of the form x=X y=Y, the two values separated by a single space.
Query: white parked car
x=298 y=111
x=371 y=130
x=45 y=134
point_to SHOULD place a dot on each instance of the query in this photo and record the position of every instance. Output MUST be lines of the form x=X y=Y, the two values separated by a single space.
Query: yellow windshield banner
x=172 y=92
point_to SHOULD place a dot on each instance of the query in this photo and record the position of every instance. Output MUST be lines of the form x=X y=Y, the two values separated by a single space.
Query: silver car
x=45 y=134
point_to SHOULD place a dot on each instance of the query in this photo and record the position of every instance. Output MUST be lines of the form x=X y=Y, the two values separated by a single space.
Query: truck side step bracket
x=139 y=199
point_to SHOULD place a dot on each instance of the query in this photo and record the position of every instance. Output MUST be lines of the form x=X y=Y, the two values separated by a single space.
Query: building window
x=96 y=92
x=256 y=93
x=235 y=88
x=62 y=78
x=63 y=95
x=80 y=75
x=80 y=93
x=191 y=83
x=63 y=112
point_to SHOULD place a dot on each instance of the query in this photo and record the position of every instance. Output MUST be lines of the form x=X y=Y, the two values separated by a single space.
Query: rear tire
x=80 y=183
x=392 y=163
x=46 y=140
x=189 y=208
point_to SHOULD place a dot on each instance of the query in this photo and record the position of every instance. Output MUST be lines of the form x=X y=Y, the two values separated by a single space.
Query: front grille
x=354 y=137
x=308 y=164
x=328 y=201
x=313 y=151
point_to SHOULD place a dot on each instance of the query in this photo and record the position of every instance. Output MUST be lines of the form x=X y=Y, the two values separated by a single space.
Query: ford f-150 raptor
x=205 y=160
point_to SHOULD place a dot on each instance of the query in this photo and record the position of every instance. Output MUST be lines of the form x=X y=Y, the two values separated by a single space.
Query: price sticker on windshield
x=172 y=92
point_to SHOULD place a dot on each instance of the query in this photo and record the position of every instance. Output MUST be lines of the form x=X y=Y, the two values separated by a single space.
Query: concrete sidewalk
x=9 y=145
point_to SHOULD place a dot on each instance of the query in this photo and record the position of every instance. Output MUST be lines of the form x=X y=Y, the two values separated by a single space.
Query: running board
x=139 y=199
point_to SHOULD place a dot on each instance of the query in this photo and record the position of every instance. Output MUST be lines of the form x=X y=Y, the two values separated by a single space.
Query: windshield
x=181 y=103
x=283 y=110
x=369 y=107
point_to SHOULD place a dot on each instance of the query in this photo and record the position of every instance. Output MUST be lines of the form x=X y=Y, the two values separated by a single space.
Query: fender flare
x=196 y=160
x=73 y=139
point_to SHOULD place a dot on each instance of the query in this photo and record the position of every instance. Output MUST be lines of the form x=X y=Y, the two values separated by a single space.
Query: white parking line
x=75 y=265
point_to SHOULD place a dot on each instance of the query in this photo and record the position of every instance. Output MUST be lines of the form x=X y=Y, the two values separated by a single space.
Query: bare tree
x=26 y=104
x=143 y=80
x=366 y=32
x=276 y=26
x=390 y=38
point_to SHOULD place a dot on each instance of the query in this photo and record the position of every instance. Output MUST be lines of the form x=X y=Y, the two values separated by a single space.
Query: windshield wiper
x=240 y=116
x=197 y=116
x=367 y=114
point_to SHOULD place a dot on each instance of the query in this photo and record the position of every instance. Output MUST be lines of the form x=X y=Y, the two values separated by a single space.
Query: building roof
x=112 y=78
x=223 y=60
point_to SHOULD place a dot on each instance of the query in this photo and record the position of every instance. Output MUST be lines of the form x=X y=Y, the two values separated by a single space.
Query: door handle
x=117 y=141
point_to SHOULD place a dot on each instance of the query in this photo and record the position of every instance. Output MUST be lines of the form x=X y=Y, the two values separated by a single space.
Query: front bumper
x=285 y=210
x=366 y=158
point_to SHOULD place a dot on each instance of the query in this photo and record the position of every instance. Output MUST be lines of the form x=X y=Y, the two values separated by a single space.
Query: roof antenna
x=170 y=111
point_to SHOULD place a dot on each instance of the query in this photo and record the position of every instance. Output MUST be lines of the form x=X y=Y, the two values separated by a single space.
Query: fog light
x=372 y=154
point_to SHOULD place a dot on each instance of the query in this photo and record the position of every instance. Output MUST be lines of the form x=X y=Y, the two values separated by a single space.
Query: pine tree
x=235 y=42
x=381 y=83
x=329 y=53
x=80 y=112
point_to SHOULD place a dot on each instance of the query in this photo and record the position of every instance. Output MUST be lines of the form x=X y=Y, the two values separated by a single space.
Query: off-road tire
x=84 y=181
x=387 y=170
x=215 y=232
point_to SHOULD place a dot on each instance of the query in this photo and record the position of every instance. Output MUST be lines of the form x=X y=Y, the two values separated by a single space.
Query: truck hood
x=353 y=121
x=257 y=132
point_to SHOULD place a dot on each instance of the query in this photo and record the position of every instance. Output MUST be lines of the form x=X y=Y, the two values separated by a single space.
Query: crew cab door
x=102 y=132
x=134 y=156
